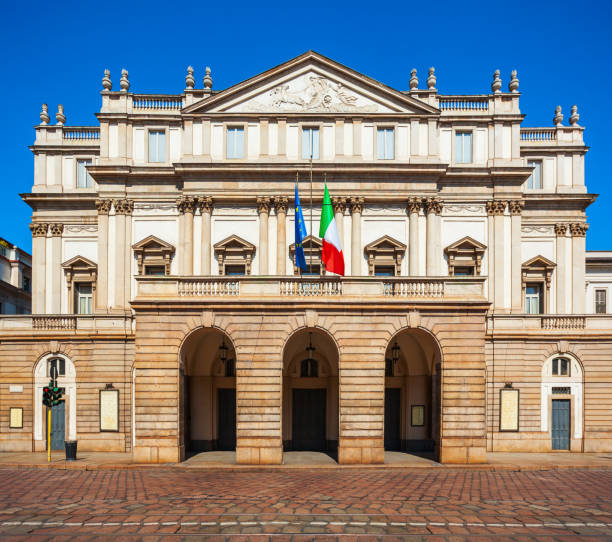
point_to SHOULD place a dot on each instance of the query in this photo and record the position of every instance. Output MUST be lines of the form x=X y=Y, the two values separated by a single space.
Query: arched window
x=309 y=368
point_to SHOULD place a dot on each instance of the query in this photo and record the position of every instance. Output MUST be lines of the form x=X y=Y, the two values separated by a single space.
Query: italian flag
x=332 y=255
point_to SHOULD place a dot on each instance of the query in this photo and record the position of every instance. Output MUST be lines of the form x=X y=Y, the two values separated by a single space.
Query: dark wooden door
x=392 y=419
x=58 y=426
x=309 y=420
x=561 y=424
x=227 y=419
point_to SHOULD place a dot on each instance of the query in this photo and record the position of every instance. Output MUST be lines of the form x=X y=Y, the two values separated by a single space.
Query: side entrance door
x=561 y=424
x=227 y=418
x=392 y=419
x=58 y=426
x=309 y=419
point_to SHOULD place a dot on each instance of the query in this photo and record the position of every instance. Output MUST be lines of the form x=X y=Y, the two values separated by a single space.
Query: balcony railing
x=462 y=104
x=157 y=102
x=81 y=134
x=288 y=286
x=549 y=323
x=537 y=135
x=66 y=322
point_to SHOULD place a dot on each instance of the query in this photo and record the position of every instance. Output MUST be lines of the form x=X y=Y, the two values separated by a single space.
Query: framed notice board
x=109 y=410
x=509 y=409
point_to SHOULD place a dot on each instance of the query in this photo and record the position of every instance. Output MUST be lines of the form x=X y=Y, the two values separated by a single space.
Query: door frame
x=568 y=398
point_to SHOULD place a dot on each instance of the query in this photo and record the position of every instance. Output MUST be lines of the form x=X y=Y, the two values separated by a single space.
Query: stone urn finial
x=574 y=117
x=189 y=80
x=558 y=118
x=124 y=81
x=44 y=114
x=431 y=80
x=208 y=82
x=414 y=80
x=513 y=85
x=107 y=84
x=497 y=82
x=59 y=116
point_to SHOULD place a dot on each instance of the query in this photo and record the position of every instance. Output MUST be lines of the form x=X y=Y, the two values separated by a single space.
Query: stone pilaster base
x=156 y=454
x=259 y=452
x=463 y=452
x=361 y=451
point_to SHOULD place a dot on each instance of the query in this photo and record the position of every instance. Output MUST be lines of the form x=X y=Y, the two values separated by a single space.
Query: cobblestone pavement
x=306 y=504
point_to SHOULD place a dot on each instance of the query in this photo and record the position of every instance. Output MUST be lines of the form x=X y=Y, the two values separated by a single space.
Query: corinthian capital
x=263 y=204
x=39 y=229
x=56 y=229
x=356 y=203
x=103 y=206
x=414 y=204
x=433 y=205
x=206 y=204
x=497 y=207
x=578 y=229
x=123 y=206
x=280 y=204
x=339 y=204
x=516 y=206
x=560 y=229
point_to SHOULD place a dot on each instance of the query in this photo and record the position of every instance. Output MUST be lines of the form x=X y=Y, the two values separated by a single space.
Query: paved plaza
x=306 y=504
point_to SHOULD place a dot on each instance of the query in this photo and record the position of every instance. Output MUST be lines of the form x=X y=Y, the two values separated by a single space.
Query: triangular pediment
x=539 y=262
x=311 y=84
x=385 y=243
x=466 y=244
x=79 y=262
x=234 y=242
x=152 y=243
x=309 y=242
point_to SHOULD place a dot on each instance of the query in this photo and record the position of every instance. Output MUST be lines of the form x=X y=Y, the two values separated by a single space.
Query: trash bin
x=71 y=450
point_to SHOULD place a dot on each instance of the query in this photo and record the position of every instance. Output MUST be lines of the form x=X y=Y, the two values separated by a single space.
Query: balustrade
x=157 y=102
x=81 y=134
x=54 y=322
x=413 y=288
x=214 y=287
x=563 y=322
x=538 y=134
x=464 y=103
x=314 y=287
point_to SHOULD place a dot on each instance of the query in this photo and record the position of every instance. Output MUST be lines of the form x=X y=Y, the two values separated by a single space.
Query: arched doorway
x=310 y=392
x=64 y=415
x=208 y=391
x=412 y=393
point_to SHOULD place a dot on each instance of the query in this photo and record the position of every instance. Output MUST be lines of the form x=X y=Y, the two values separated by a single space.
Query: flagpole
x=311 y=230
x=297 y=184
x=325 y=184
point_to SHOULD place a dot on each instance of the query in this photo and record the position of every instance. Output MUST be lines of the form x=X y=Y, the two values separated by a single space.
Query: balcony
x=549 y=324
x=467 y=289
x=66 y=323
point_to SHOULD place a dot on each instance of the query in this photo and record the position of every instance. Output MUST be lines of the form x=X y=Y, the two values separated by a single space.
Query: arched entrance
x=208 y=391
x=310 y=392
x=412 y=393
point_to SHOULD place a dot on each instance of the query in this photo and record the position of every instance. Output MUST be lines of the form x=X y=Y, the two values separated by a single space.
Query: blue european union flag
x=300 y=234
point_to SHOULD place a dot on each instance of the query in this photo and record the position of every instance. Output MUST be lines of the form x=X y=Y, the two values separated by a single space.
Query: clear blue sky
x=56 y=52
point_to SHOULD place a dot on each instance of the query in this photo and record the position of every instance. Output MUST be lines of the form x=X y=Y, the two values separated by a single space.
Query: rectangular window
x=463 y=147
x=27 y=285
x=384 y=271
x=535 y=179
x=560 y=367
x=464 y=271
x=533 y=299
x=83 y=295
x=601 y=302
x=235 y=142
x=234 y=270
x=56 y=364
x=157 y=146
x=310 y=143
x=83 y=177
x=155 y=270
x=385 y=143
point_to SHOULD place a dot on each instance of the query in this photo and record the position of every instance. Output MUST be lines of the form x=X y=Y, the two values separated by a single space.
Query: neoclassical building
x=166 y=294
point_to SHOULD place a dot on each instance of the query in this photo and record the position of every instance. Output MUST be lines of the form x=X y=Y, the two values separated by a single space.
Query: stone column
x=263 y=208
x=561 y=232
x=56 y=268
x=339 y=205
x=516 y=208
x=128 y=255
x=498 y=208
x=280 y=204
x=433 y=208
x=356 y=248
x=206 y=207
x=103 y=206
x=39 y=256
x=578 y=231
x=491 y=250
x=120 y=242
x=189 y=205
x=414 y=206
x=181 y=248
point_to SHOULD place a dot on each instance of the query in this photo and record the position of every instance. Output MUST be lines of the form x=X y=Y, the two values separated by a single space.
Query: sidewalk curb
x=173 y=467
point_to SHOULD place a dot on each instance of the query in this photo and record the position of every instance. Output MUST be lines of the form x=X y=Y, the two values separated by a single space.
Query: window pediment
x=465 y=253
x=80 y=270
x=234 y=251
x=385 y=252
x=154 y=252
x=313 y=247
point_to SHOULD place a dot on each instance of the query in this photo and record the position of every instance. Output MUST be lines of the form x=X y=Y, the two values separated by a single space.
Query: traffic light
x=47 y=396
x=56 y=396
